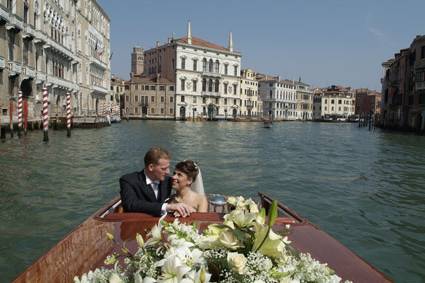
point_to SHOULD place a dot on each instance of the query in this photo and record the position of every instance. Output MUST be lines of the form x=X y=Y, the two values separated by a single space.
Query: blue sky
x=325 y=42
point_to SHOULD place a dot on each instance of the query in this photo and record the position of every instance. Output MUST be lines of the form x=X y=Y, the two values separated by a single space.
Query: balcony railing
x=420 y=85
x=4 y=15
x=99 y=89
x=39 y=36
x=14 y=23
x=210 y=93
x=40 y=77
x=96 y=61
x=2 y=63
x=28 y=31
x=61 y=83
x=28 y=72
x=211 y=74
x=50 y=43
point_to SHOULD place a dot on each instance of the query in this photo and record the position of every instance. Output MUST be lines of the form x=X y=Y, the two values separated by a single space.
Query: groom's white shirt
x=155 y=187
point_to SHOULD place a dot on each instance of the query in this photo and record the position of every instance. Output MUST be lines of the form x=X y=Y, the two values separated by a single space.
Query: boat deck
x=87 y=246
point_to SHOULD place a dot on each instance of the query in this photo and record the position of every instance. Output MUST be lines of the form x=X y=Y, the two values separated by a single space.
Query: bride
x=187 y=181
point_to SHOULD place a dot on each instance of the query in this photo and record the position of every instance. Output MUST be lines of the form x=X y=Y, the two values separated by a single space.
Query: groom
x=147 y=191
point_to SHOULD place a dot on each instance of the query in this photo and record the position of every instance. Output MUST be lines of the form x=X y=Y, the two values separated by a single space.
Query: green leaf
x=273 y=213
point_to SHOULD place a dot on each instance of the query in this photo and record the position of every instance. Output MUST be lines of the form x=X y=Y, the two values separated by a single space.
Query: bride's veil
x=198 y=185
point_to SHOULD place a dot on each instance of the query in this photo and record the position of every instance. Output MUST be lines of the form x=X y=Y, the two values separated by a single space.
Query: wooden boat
x=87 y=246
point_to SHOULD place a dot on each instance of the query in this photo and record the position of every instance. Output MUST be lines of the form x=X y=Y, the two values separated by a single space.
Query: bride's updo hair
x=189 y=168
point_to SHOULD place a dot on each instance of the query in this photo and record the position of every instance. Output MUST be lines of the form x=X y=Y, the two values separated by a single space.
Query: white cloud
x=377 y=33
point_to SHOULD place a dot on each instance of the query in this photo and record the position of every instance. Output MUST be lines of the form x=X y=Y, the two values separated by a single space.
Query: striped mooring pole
x=25 y=115
x=11 y=116
x=45 y=114
x=2 y=129
x=68 y=114
x=19 y=113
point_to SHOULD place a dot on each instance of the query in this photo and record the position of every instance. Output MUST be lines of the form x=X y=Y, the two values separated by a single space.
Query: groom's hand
x=182 y=208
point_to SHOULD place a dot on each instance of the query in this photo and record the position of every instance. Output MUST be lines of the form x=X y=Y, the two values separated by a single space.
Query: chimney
x=157 y=43
x=230 y=43
x=189 y=33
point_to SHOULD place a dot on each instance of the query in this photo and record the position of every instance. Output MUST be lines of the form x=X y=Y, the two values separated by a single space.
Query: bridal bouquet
x=244 y=248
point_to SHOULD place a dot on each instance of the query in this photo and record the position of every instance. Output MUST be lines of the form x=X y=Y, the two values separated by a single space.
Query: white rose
x=237 y=262
x=229 y=240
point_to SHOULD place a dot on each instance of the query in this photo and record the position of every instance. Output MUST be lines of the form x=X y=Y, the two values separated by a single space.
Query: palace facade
x=279 y=98
x=251 y=106
x=304 y=108
x=150 y=98
x=63 y=45
x=334 y=102
x=206 y=76
x=403 y=88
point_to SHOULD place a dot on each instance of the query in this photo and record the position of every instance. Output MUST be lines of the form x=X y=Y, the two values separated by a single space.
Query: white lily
x=139 y=240
x=253 y=208
x=202 y=275
x=149 y=280
x=173 y=270
x=272 y=246
x=155 y=235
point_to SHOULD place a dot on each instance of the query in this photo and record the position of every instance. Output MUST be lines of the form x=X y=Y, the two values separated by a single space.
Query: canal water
x=367 y=189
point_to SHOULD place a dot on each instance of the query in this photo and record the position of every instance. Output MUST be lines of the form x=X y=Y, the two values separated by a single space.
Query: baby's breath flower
x=242 y=249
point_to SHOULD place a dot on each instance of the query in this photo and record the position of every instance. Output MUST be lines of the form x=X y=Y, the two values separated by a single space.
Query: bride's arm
x=203 y=206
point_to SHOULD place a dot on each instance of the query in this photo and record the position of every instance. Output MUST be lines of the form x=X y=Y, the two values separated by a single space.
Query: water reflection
x=364 y=188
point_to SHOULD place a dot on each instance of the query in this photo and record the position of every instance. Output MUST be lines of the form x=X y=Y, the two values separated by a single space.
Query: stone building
x=367 y=102
x=60 y=44
x=403 y=88
x=304 y=106
x=206 y=75
x=93 y=53
x=334 y=102
x=150 y=98
x=251 y=105
x=137 y=61
x=117 y=95
x=279 y=98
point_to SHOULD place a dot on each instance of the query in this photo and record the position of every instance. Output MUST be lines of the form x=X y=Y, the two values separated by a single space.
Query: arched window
x=210 y=67
x=204 y=84
x=217 y=84
x=204 y=65
x=210 y=83
x=217 y=66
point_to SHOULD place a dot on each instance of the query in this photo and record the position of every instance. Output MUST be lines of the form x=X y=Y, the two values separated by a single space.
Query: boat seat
x=216 y=203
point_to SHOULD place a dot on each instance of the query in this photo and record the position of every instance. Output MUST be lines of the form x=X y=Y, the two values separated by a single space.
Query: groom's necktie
x=155 y=187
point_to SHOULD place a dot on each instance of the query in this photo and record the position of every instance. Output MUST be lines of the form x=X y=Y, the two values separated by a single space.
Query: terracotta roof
x=202 y=43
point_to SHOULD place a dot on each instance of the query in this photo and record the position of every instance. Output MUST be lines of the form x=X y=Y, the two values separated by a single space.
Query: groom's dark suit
x=137 y=196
